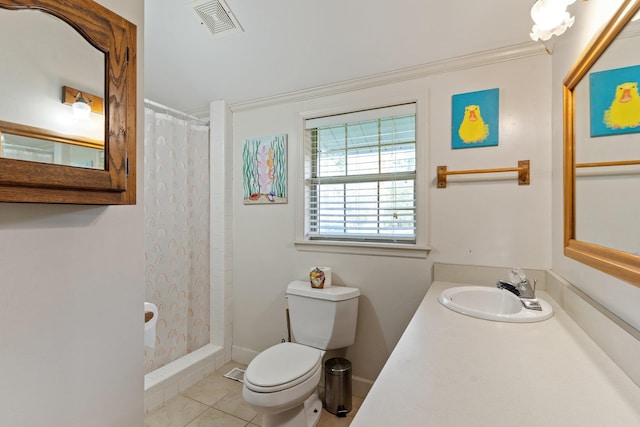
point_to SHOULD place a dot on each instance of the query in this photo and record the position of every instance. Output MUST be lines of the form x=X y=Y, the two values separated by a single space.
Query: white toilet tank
x=323 y=318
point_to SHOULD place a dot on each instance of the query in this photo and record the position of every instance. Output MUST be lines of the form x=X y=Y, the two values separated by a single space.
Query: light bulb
x=81 y=110
x=550 y=18
x=548 y=14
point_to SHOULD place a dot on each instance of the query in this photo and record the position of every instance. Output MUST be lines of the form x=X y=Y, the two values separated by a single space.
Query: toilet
x=281 y=383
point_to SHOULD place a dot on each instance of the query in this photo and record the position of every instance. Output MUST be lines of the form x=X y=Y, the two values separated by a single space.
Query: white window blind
x=361 y=178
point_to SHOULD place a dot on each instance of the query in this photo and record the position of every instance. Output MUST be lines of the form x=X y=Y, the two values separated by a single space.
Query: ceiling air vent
x=217 y=16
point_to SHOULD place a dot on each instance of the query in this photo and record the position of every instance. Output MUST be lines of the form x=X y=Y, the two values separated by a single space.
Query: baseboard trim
x=361 y=386
x=242 y=354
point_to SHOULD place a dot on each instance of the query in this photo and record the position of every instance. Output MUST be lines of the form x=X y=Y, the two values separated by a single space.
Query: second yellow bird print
x=624 y=111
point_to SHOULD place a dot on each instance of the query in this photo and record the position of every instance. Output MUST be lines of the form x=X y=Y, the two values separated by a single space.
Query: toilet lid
x=282 y=366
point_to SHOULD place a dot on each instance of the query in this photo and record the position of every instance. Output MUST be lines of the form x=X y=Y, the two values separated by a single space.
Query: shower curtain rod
x=168 y=110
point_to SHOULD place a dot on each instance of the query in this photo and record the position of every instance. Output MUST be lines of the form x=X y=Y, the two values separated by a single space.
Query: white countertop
x=449 y=369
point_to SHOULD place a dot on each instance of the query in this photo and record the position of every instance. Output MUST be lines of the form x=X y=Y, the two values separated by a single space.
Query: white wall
x=71 y=297
x=620 y=297
x=485 y=223
x=497 y=223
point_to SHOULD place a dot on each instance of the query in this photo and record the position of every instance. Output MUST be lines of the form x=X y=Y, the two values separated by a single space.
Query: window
x=360 y=176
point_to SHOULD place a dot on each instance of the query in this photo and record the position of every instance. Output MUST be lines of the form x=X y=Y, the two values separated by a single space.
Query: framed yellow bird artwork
x=614 y=101
x=475 y=119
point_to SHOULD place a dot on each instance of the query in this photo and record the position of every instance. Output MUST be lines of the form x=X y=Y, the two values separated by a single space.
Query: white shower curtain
x=176 y=206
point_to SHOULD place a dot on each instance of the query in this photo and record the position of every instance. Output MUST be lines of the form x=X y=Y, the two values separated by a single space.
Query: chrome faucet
x=524 y=291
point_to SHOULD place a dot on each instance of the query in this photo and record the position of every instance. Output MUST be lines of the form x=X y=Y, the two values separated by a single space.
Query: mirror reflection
x=44 y=151
x=40 y=55
x=607 y=147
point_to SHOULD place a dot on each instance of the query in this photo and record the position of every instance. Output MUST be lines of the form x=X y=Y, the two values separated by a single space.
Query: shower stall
x=185 y=246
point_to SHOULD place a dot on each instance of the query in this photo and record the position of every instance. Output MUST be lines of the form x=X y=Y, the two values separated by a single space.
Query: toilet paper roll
x=150 y=326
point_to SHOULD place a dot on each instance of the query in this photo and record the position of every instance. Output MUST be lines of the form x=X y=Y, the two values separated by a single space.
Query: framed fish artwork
x=474 y=119
x=264 y=170
x=614 y=102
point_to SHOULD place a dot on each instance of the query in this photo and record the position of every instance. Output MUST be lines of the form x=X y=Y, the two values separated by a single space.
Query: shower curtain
x=176 y=214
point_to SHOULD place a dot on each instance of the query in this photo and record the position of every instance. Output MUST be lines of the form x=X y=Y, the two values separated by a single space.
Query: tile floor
x=217 y=401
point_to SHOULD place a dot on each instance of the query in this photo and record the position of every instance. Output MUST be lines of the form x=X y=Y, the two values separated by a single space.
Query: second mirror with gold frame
x=599 y=165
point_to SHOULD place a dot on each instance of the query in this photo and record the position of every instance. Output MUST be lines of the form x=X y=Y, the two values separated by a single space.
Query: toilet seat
x=281 y=367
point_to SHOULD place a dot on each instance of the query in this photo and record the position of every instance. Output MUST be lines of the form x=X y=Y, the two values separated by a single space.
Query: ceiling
x=291 y=45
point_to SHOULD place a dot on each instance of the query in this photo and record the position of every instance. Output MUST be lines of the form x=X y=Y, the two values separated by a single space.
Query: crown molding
x=478 y=59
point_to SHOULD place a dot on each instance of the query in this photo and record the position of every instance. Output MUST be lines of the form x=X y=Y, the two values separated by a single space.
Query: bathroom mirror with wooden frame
x=113 y=38
x=597 y=250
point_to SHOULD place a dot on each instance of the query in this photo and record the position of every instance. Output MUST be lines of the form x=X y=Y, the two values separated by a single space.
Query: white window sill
x=357 y=248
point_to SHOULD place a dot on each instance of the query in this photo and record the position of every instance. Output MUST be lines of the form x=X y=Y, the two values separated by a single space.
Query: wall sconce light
x=550 y=18
x=81 y=109
x=82 y=103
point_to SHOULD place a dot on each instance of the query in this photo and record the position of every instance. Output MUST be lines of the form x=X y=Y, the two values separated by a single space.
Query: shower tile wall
x=221 y=225
x=176 y=235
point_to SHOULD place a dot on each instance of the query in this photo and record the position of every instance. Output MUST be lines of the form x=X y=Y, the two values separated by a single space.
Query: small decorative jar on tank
x=317 y=277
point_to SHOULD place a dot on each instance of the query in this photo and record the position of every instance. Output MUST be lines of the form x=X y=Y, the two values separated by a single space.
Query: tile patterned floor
x=217 y=401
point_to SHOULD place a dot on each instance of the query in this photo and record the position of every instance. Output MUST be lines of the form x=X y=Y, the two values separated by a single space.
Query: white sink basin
x=489 y=303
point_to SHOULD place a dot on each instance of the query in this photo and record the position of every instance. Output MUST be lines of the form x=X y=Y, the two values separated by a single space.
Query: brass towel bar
x=522 y=169
x=613 y=163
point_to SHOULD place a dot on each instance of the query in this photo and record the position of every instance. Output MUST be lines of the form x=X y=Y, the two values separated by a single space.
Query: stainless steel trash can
x=337 y=380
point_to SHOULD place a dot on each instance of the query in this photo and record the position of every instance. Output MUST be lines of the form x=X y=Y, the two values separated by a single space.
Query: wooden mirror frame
x=26 y=181
x=617 y=263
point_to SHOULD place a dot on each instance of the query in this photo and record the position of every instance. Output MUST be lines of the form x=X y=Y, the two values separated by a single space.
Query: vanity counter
x=449 y=369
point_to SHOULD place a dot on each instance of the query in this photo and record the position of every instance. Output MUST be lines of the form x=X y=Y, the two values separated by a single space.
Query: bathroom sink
x=489 y=303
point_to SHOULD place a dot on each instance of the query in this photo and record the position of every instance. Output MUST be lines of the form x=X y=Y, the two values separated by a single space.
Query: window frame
x=420 y=248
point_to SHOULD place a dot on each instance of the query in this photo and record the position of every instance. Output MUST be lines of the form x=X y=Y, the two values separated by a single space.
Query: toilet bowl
x=282 y=383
